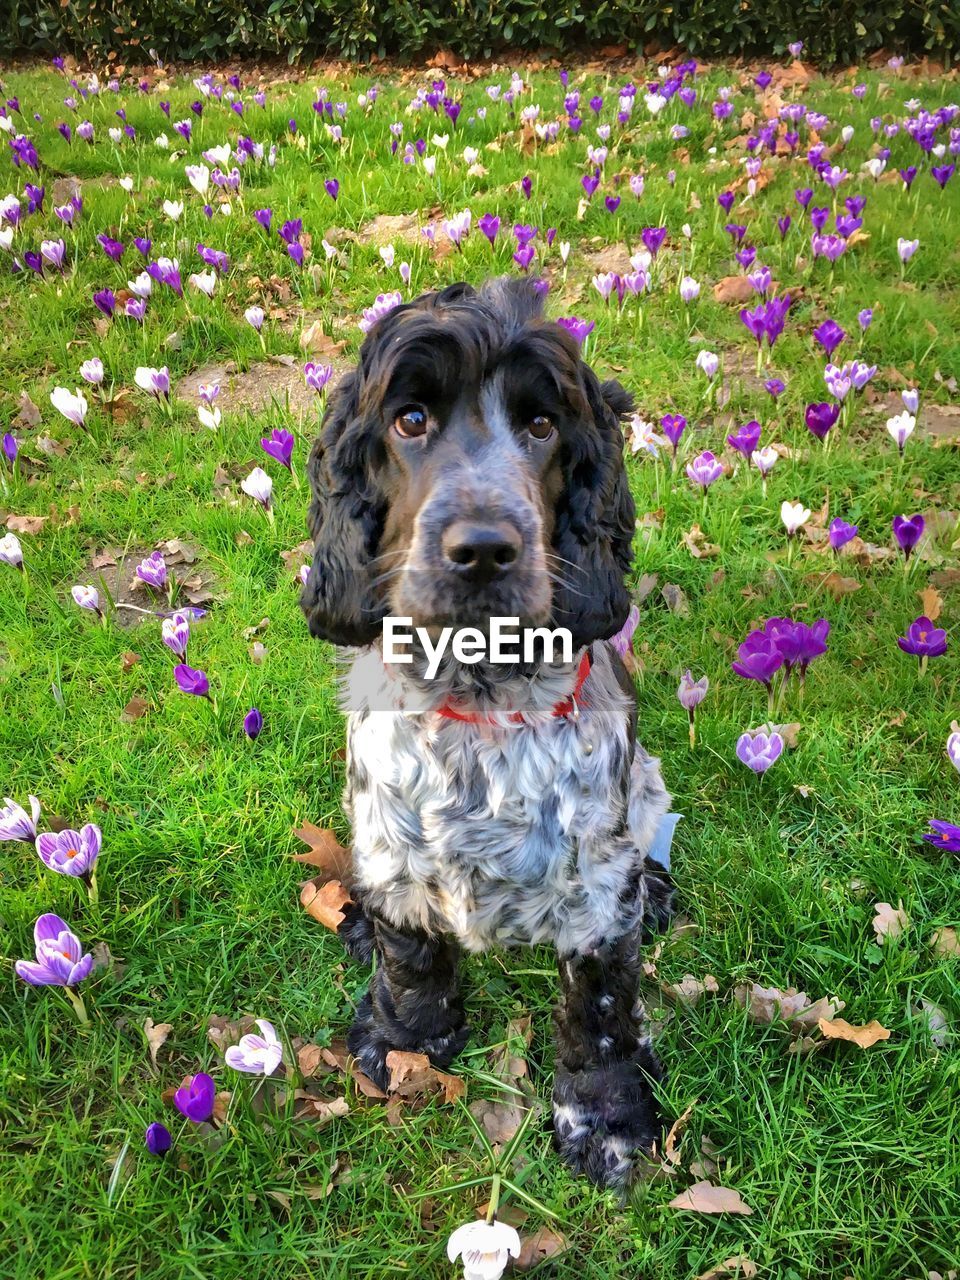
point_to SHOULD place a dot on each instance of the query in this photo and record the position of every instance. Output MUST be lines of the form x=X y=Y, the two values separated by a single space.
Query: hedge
x=198 y=30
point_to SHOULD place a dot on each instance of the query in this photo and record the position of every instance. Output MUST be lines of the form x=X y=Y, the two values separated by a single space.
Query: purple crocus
x=758 y=751
x=704 y=469
x=690 y=694
x=192 y=681
x=524 y=256
x=673 y=426
x=60 y=961
x=332 y=188
x=775 y=387
x=797 y=642
x=16 y=823
x=725 y=200
x=10 y=447
x=746 y=439
x=653 y=238
x=526 y=186
x=590 y=182
x=840 y=533
x=579 y=329
x=316 y=376
x=279 y=444
x=942 y=173
x=923 y=640
x=195 y=1099
x=758 y=658
x=908 y=530
x=264 y=217
x=820 y=417
x=112 y=248
x=72 y=853
x=489 y=225
x=829 y=335
x=105 y=300
x=253 y=723
x=153 y=571
x=157 y=1139
x=944 y=835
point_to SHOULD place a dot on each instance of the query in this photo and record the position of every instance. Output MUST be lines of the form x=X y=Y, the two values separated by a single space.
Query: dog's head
x=471 y=466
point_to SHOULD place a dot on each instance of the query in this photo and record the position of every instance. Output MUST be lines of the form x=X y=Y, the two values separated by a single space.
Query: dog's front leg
x=604 y=1109
x=413 y=1002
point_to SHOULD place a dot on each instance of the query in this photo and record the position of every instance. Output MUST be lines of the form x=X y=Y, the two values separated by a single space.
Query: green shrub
x=190 y=30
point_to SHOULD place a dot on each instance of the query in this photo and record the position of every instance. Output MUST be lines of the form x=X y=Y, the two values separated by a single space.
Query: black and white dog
x=472 y=467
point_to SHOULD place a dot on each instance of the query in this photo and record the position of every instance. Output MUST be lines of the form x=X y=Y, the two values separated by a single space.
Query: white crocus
x=388 y=254
x=162 y=141
x=198 y=175
x=484 y=1248
x=440 y=140
x=901 y=428
x=142 y=287
x=173 y=209
x=219 y=155
x=127 y=183
x=72 y=406
x=430 y=165
x=204 y=282
x=208 y=417
x=257 y=1055
x=764 y=459
x=564 y=251
x=259 y=486
x=10 y=550
x=6 y=238
x=86 y=597
x=794 y=515
x=953 y=749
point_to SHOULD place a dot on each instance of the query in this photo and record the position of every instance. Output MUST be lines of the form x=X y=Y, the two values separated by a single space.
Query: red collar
x=560 y=709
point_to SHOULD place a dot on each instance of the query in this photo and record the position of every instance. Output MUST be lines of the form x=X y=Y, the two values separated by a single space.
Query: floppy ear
x=345 y=517
x=595 y=520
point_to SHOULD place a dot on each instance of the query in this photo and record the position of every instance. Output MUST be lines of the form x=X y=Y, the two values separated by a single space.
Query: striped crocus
x=11 y=552
x=60 y=961
x=382 y=305
x=704 y=469
x=316 y=376
x=72 y=406
x=71 y=853
x=153 y=571
x=175 y=633
x=54 y=252
x=16 y=823
x=86 y=597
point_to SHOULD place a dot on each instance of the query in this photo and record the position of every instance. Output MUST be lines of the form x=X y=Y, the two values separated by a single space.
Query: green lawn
x=848 y=1157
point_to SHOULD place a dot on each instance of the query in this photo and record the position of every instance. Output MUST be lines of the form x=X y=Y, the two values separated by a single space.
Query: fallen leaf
x=838 y=1029
x=129 y=659
x=258 y=653
x=695 y=542
x=647 y=583
x=28 y=414
x=502 y=1114
x=690 y=989
x=222 y=1033
x=341 y=1059
x=704 y=1197
x=888 y=921
x=310 y=1060
x=740 y=1265
x=931 y=603
x=281 y=1198
x=325 y=851
x=135 y=709
x=413 y=1079
x=318 y=343
x=671 y=1151
x=675 y=599
x=733 y=289
x=26 y=524
x=535 y=1249
x=324 y=902
x=765 y=1005
x=837 y=585
x=156 y=1033
x=945 y=943
x=256 y=630
x=320 y=1112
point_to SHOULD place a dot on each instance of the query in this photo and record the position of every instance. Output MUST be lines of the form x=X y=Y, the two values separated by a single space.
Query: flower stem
x=78 y=1006
x=494 y=1198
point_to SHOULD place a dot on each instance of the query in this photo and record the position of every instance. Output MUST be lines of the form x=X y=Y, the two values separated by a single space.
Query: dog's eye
x=411 y=422
x=540 y=427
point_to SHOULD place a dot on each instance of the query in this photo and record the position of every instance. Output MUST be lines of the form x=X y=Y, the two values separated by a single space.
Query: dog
x=470 y=467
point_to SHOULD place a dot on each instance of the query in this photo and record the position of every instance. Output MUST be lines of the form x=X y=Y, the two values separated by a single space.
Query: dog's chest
x=482 y=832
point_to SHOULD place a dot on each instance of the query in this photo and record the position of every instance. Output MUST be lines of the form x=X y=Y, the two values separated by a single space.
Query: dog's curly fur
x=515 y=824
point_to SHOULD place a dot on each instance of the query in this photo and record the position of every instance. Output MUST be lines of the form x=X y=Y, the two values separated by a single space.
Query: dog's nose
x=481 y=552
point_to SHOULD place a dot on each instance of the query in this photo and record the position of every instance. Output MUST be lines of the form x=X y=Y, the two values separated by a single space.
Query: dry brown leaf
x=535 y=1249
x=888 y=921
x=945 y=943
x=765 y=1005
x=935 y=1022
x=839 y=1029
x=222 y=1033
x=704 y=1197
x=156 y=1033
x=737 y=1266
x=28 y=414
x=325 y=851
x=135 y=709
x=129 y=659
x=414 y=1079
x=318 y=343
x=320 y=1112
x=696 y=543
x=324 y=902
x=647 y=583
x=689 y=991
x=26 y=524
x=311 y=1062
x=675 y=599
x=839 y=586
x=502 y=1115
x=733 y=289
x=931 y=603
x=671 y=1151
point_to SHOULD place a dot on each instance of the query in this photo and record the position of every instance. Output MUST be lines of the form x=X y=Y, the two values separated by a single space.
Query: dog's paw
x=370 y=1040
x=607 y=1117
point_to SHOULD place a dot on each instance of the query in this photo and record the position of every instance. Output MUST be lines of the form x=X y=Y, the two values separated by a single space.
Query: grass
x=848 y=1158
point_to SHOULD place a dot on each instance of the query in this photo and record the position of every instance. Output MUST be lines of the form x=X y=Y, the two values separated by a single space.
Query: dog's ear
x=595 y=520
x=345 y=517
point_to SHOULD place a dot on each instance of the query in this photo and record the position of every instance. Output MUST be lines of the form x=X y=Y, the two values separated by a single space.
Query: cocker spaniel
x=472 y=467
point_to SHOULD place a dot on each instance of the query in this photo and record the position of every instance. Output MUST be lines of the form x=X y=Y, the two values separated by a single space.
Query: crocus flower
x=10 y=447
x=653 y=238
x=758 y=658
x=865 y=318
x=53 y=251
x=829 y=335
x=942 y=174
x=85 y=597
x=901 y=428
x=60 y=961
x=317 y=376
x=72 y=853
x=105 y=300
x=153 y=571
x=821 y=417
x=906 y=248
x=704 y=469
x=112 y=248
x=673 y=426
x=708 y=363
x=944 y=835
x=73 y=407
x=253 y=723
x=689 y=289
x=92 y=371
x=10 y=551
x=382 y=306
x=764 y=460
x=484 y=1247
x=579 y=329
x=797 y=642
x=923 y=639
x=953 y=749
x=156 y=381
x=840 y=533
x=690 y=694
x=254 y=316
x=257 y=1055
x=908 y=531
x=175 y=633
x=259 y=486
x=489 y=225
x=279 y=444
x=16 y=823
x=192 y=681
x=157 y=1139
x=794 y=516
x=758 y=751
x=775 y=387
x=911 y=400
x=196 y=1098
x=746 y=439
